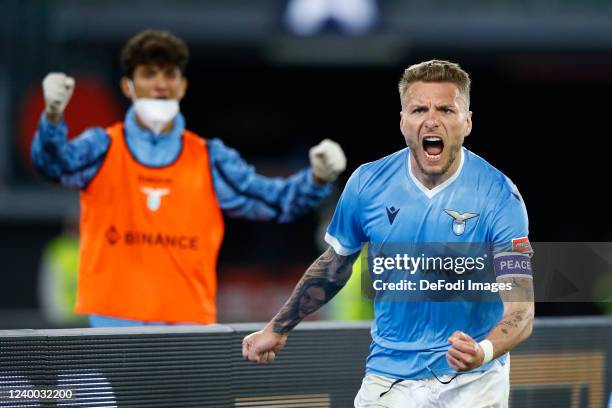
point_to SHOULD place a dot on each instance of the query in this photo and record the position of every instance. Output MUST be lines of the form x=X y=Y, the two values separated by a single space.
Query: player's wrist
x=53 y=117
x=276 y=329
x=316 y=179
x=488 y=352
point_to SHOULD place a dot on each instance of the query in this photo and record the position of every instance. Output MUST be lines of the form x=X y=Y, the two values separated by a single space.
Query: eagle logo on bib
x=459 y=220
x=154 y=196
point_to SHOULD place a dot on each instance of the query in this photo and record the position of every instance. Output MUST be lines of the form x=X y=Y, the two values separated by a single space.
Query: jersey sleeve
x=510 y=235
x=510 y=231
x=72 y=163
x=345 y=233
x=242 y=193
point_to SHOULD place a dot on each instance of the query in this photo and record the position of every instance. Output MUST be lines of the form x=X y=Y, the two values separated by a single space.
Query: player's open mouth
x=433 y=146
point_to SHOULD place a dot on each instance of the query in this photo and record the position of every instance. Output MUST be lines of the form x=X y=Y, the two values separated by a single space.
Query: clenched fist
x=57 y=89
x=327 y=160
x=465 y=353
x=263 y=346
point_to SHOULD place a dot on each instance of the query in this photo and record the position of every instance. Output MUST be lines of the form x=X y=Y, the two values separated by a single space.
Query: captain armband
x=512 y=265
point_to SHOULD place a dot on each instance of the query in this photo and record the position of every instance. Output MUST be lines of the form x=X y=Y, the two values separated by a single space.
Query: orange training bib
x=150 y=236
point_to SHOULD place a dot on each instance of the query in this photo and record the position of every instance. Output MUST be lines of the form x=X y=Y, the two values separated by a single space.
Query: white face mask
x=154 y=113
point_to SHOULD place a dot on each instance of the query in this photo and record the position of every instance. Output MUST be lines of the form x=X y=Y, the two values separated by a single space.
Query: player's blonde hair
x=436 y=71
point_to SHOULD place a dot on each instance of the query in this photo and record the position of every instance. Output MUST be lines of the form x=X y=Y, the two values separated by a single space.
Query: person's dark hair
x=154 y=47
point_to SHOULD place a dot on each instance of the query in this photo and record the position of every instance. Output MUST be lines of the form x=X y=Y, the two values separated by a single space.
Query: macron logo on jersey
x=392 y=213
x=154 y=196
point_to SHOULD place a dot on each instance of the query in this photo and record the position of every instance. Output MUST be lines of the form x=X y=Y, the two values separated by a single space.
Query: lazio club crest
x=154 y=197
x=459 y=220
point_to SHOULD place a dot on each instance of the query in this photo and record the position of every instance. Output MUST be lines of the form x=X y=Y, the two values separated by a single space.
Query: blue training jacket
x=240 y=191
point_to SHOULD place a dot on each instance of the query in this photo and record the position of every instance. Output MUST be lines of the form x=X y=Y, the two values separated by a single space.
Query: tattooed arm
x=517 y=322
x=514 y=327
x=321 y=281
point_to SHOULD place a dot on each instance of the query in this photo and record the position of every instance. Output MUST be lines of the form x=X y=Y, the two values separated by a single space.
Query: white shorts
x=475 y=390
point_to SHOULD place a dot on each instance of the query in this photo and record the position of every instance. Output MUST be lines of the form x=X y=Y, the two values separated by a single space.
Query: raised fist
x=57 y=89
x=327 y=160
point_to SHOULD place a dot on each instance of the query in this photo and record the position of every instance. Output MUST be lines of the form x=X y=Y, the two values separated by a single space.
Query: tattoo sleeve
x=321 y=281
x=517 y=321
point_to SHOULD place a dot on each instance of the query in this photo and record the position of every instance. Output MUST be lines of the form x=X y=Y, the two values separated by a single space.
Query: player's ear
x=468 y=129
x=182 y=88
x=125 y=88
x=402 y=122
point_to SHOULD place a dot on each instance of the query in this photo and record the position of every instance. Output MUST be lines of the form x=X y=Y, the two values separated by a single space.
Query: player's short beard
x=452 y=156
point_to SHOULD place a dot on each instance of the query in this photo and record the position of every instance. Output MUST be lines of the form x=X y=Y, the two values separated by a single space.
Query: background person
x=57 y=276
x=152 y=192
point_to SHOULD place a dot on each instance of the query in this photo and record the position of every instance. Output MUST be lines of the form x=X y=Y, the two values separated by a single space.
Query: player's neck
x=430 y=181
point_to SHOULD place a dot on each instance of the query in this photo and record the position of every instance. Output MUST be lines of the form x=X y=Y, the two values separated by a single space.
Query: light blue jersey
x=384 y=204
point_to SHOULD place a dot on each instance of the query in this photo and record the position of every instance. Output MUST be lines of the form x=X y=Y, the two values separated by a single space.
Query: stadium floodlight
x=308 y=17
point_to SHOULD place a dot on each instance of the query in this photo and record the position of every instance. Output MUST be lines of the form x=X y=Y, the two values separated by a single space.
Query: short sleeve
x=345 y=233
x=510 y=227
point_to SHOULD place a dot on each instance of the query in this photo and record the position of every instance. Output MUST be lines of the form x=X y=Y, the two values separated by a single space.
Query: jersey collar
x=430 y=193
